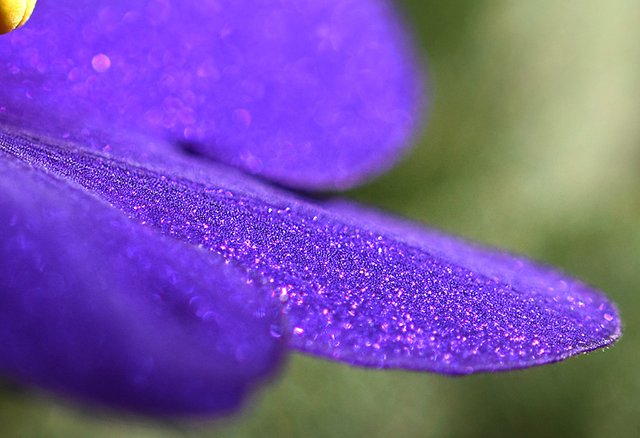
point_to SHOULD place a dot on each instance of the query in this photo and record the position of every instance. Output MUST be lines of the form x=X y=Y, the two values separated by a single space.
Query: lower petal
x=101 y=308
x=355 y=285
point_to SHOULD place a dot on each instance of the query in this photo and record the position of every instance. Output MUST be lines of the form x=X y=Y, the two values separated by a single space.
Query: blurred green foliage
x=533 y=145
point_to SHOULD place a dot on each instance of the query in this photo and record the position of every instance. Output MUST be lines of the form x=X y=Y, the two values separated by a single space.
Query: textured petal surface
x=355 y=285
x=312 y=94
x=98 y=307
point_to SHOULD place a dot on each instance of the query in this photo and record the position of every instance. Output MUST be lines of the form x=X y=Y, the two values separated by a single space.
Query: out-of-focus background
x=533 y=145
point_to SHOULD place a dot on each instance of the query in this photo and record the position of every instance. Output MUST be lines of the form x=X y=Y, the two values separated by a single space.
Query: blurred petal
x=314 y=94
x=101 y=308
x=355 y=285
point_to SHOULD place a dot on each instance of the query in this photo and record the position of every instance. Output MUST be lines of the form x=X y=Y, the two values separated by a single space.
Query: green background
x=533 y=145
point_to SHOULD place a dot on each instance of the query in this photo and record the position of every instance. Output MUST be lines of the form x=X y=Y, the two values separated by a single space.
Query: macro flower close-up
x=171 y=227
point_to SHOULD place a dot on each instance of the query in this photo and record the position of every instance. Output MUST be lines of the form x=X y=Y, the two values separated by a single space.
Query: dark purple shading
x=100 y=308
x=355 y=285
x=316 y=94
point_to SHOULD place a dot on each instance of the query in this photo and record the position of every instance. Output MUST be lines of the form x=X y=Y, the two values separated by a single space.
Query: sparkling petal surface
x=354 y=285
x=315 y=94
x=100 y=308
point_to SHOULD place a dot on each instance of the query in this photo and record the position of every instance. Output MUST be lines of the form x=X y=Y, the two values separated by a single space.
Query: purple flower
x=140 y=272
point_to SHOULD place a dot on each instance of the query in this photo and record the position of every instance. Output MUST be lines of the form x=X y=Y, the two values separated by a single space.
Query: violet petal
x=101 y=308
x=355 y=285
x=314 y=94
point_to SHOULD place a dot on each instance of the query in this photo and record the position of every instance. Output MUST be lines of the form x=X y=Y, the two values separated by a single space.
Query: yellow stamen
x=14 y=13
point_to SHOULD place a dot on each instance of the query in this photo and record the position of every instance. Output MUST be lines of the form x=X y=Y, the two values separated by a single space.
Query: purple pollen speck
x=101 y=63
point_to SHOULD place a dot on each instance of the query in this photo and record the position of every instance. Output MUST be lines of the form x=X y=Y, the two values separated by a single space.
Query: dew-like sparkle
x=354 y=284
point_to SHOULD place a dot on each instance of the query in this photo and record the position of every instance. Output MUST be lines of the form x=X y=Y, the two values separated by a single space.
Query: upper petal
x=355 y=285
x=98 y=307
x=314 y=94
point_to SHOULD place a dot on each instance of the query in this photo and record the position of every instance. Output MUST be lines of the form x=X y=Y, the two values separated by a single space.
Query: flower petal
x=355 y=285
x=314 y=94
x=99 y=307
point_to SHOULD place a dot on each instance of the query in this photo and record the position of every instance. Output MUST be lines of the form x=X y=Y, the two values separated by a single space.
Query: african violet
x=141 y=272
